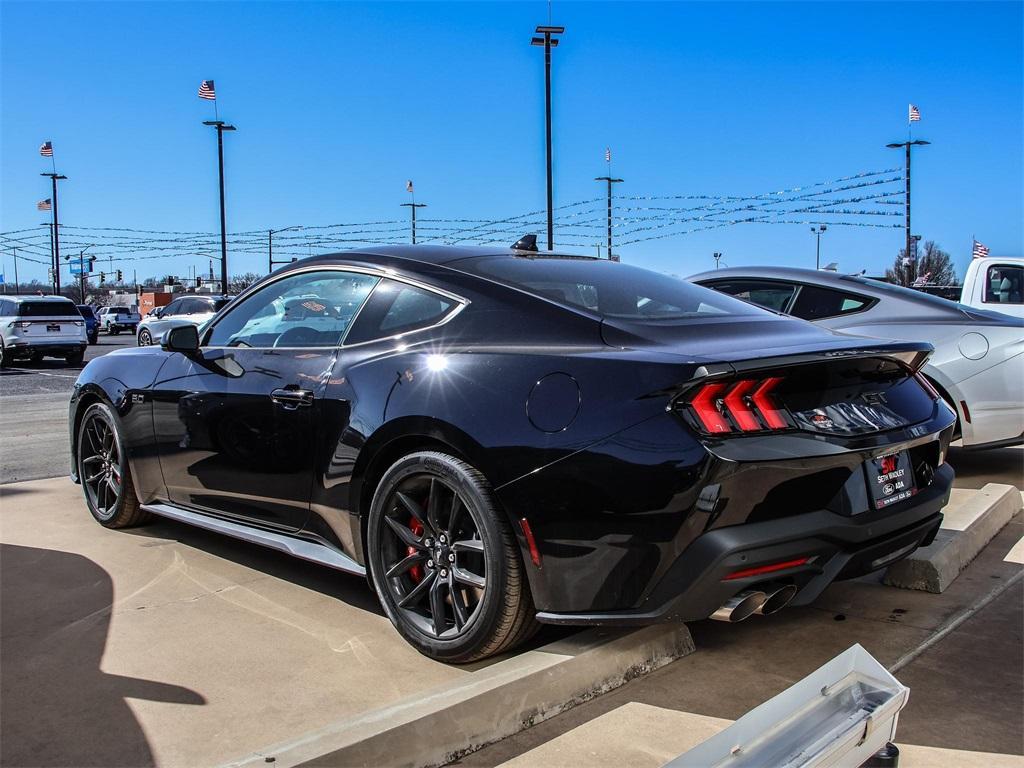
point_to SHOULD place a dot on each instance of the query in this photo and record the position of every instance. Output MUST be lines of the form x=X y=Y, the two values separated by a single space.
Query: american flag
x=923 y=280
x=608 y=154
x=408 y=186
x=46 y=149
x=44 y=205
x=980 y=251
x=914 y=114
x=206 y=91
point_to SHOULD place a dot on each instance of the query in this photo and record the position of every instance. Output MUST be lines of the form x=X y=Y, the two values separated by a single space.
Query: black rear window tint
x=47 y=309
x=86 y=312
x=607 y=288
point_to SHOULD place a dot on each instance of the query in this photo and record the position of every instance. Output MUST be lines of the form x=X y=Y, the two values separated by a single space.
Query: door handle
x=292 y=398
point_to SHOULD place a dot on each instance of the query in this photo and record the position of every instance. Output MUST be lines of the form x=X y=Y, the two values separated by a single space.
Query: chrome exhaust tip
x=740 y=607
x=777 y=600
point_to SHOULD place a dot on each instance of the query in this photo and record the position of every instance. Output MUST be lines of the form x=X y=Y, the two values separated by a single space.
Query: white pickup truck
x=113 y=320
x=995 y=283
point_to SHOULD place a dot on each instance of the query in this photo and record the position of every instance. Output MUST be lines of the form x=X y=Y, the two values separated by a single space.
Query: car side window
x=308 y=309
x=1004 y=284
x=396 y=307
x=816 y=303
x=173 y=308
x=772 y=294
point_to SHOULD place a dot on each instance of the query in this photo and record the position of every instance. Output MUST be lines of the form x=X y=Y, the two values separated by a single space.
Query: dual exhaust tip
x=747 y=603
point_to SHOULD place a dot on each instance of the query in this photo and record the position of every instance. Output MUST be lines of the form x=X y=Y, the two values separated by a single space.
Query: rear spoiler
x=911 y=354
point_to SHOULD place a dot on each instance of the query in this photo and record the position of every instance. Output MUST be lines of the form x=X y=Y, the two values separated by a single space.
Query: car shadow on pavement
x=59 y=707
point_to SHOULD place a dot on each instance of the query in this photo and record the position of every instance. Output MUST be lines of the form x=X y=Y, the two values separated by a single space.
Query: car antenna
x=525 y=243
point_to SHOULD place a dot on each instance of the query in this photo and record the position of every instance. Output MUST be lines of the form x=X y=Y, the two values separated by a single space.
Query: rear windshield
x=47 y=309
x=119 y=310
x=608 y=288
x=85 y=311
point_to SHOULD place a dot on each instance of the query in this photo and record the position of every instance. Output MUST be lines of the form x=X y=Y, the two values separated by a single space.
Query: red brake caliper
x=416 y=572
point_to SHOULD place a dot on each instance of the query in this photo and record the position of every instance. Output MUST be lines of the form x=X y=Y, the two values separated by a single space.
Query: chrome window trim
x=380 y=274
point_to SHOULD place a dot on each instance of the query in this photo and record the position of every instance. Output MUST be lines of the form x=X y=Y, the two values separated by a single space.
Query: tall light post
x=55 y=177
x=221 y=126
x=609 y=180
x=817 y=253
x=907 y=145
x=270 y=247
x=549 y=42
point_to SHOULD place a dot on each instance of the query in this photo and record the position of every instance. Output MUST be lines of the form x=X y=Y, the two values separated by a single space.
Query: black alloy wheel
x=104 y=472
x=444 y=561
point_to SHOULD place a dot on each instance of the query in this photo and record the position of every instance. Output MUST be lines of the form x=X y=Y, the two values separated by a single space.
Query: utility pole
x=270 y=247
x=412 y=208
x=55 y=177
x=817 y=254
x=907 y=145
x=609 y=181
x=17 y=284
x=221 y=126
x=548 y=42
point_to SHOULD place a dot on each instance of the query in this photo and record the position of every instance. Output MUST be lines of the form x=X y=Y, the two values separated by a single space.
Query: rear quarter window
x=816 y=303
x=395 y=307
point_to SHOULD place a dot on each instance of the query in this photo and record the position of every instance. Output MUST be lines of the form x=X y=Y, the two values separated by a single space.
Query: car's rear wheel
x=75 y=358
x=3 y=354
x=145 y=338
x=114 y=330
x=104 y=472
x=444 y=560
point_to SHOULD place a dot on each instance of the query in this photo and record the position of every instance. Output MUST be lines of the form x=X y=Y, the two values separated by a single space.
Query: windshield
x=608 y=288
x=47 y=309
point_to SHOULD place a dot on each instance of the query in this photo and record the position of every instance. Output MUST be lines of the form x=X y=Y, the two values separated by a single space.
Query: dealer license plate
x=890 y=478
x=53 y=328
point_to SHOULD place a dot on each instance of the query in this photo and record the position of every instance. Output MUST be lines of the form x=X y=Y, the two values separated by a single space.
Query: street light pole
x=221 y=126
x=55 y=177
x=548 y=42
x=412 y=208
x=609 y=181
x=907 y=145
x=817 y=253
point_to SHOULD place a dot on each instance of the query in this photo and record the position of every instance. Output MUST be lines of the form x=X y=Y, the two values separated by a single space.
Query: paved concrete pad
x=972 y=519
x=169 y=645
x=644 y=736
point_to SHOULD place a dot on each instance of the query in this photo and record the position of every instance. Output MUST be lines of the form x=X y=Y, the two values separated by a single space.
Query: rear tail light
x=747 y=405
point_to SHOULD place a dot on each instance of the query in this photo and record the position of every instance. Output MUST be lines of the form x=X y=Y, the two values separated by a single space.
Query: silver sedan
x=978 y=364
x=191 y=309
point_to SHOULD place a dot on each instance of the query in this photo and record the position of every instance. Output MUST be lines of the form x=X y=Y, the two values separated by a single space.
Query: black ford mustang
x=503 y=437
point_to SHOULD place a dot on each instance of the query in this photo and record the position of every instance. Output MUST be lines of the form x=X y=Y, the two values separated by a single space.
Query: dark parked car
x=92 y=325
x=499 y=438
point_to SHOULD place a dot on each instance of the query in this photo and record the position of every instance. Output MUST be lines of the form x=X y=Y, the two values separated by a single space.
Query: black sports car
x=498 y=438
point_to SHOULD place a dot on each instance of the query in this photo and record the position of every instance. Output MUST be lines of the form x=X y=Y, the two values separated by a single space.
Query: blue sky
x=338 y=104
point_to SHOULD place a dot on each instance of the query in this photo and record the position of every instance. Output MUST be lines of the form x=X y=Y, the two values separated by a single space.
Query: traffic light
x=119 y=275
x=103 y=277
x=199 y=282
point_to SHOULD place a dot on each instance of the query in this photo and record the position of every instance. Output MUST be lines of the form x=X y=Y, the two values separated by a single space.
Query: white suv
x=36 y=326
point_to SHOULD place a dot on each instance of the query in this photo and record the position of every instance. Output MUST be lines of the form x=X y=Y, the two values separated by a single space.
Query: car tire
x=445 y=562
x=36 y=358
x=94 y=339
x=3 y=354
x=145 y=338
x=114 y=330
x=104 y=472
x=75 y=358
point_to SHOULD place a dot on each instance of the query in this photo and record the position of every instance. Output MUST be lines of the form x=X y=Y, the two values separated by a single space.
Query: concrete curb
x=441 y=725
x=933 y=568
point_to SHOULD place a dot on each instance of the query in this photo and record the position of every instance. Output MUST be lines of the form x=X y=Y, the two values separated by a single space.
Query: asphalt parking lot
x=169 y=645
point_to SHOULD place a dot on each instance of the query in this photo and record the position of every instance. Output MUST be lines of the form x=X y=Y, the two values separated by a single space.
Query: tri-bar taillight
x=745 y=405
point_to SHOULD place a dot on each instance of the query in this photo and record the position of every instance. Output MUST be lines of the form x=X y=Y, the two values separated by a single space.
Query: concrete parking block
x=972 y=519
x=173 y=646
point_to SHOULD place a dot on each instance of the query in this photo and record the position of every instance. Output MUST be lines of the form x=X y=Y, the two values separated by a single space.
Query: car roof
x=55 y=299
x=428 y=254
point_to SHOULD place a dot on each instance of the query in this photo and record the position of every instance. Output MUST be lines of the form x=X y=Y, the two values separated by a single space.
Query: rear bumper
x=61 y=348
x=838 y=547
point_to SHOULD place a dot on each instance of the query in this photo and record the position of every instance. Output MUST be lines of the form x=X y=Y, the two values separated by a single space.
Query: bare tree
x=934 y=266
x=239 y=283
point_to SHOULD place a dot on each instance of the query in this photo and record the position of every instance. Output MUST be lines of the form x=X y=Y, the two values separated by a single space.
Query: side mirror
x=157 y=312
x=184 y=339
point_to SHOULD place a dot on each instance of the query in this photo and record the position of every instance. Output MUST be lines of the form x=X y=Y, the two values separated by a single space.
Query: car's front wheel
x=145 y=338
x=444 y=560
x=104 y=472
